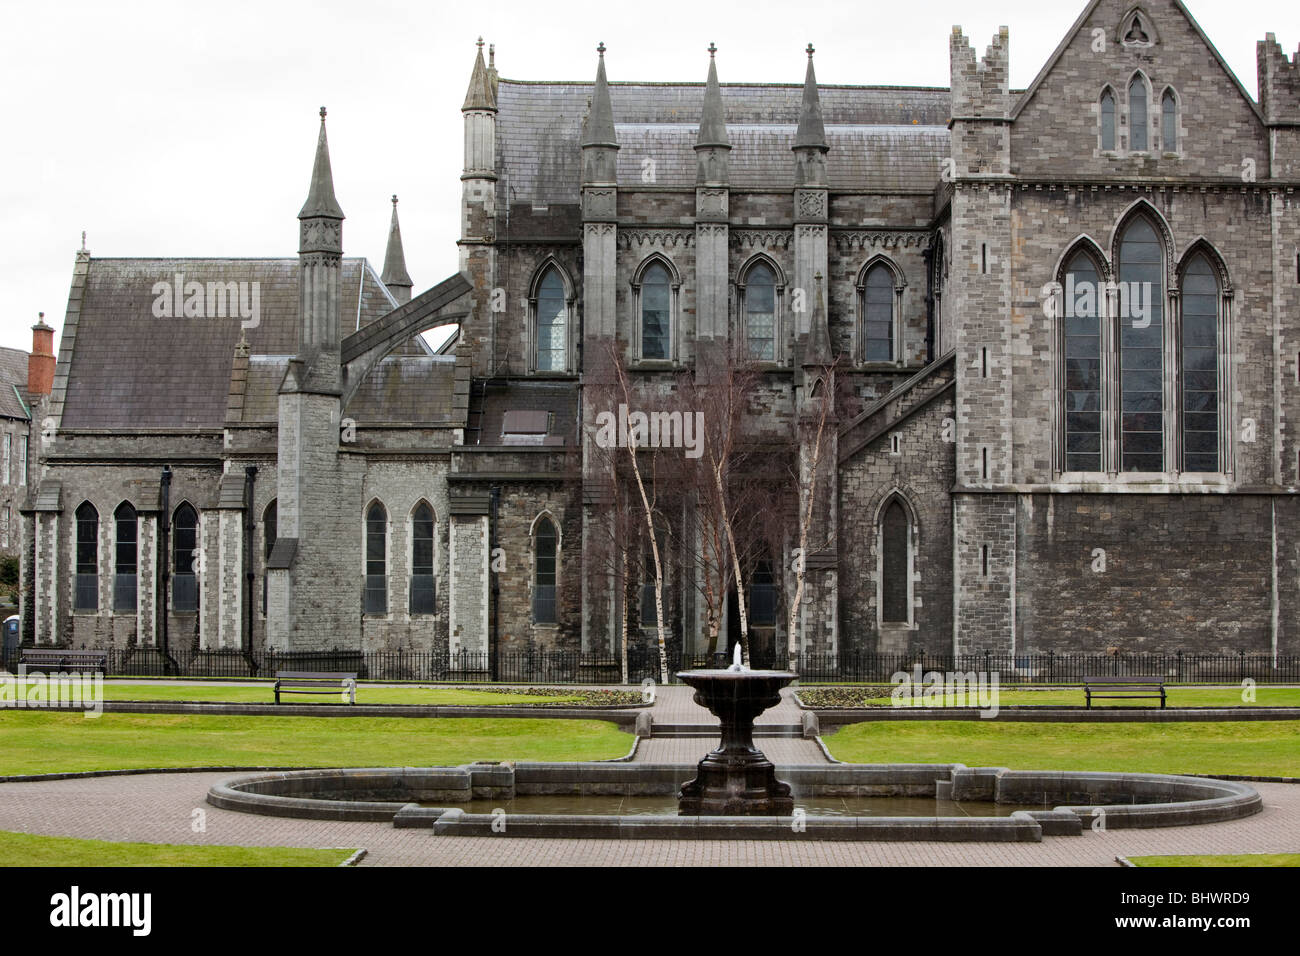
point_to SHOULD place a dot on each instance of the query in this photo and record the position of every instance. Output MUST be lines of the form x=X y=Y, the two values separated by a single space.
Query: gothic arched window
x=552 y=324
x=1082 y=339
x=1199 y=366
x=1141 y=347
x=125 y=558
x=1108 y=120
x=376 y=559
x=185 y=530
x=760 y=312
x=895 y=564
x=545 y=540
x=656 y=312
x=878 y=315
x=422 y=580
x=1169 y=122
x=86 y=596
x=1138 y=134
x=270 y=521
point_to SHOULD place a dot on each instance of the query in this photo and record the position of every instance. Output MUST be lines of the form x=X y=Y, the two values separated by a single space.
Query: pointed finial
x=712 y=49
x=810 y=51
x=600 y=48
x=83 y=240
x=322 y=114
x=479 y=44
x=492 y=56
x=394 y=199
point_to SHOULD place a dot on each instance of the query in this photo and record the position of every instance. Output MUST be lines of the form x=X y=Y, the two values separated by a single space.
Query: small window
x=22 y=460
x=760 y=313
x=86 y=597
x=552 y=324
x=376 y=560
x=1108 y=120
x=4 y=530
x=422 y=581
x=656 y=321
x=185 y=585
x=878 y=315
x=125 y=558
x=544 y=576
x=1137 y=115
x=1169 y=122
x=8 y=448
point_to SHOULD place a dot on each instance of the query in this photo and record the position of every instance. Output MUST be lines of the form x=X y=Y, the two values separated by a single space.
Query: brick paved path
x=159 y=808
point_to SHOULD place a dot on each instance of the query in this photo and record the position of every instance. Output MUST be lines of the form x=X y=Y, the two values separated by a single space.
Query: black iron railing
x=574 y=667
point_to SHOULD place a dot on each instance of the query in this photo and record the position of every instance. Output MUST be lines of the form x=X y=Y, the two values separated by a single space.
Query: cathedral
x=1064 y=323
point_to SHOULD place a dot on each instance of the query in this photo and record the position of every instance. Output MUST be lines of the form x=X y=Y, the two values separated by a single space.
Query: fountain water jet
x=736 y=779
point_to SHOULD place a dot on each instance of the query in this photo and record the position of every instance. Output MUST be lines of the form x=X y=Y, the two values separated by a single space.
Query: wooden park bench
x=1120 y=687
x=62 y=659
x=315 y=682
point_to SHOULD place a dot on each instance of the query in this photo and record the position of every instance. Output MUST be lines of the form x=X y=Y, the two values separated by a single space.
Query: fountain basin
x=1046 y=803
x=736 y=779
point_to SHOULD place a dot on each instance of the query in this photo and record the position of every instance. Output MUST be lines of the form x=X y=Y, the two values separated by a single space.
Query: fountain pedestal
x=736 y=779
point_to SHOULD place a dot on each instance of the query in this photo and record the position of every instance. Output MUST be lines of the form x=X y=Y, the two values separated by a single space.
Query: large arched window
x=376 y=560
x=1107 y=119
x=545 y=541
x=656 y=312
x=895 y=564
x=422 y=580
x=1141 y=347
x=185 y=587
x=1199 y=361
x=878 y=314
x=86 y=594
x=552 y=324
x=1169 y=122
x=1082 y=340
x=270 y=522
x=1138 y=134
x=125 y=558
x=760 y=312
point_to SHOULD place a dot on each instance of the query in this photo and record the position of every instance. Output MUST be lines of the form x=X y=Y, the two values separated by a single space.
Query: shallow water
x=813 y=806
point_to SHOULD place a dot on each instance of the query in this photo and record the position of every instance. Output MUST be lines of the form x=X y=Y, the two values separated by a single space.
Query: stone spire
x=812 y=132
x=321 y=203
x=395 y=275
x=598 y=125
x=713 y=120
x=482 y=91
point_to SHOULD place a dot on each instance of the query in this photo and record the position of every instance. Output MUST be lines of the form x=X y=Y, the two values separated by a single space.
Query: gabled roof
x=880 y=137
x=1070 y=34
x=129 y=369
x=13 y=384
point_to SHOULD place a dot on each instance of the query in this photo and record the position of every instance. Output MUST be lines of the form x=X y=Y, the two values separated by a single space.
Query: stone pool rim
x=1204 y=800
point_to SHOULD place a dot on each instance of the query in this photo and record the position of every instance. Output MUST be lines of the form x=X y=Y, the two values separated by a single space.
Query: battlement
x=980 y=88
x=1279 y=82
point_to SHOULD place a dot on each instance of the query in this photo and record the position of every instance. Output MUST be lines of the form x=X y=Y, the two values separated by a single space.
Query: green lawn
x=34 y=741
x=1254 y=748
x=1177 y=697
x=229 y=693
x=26 y=849
x=1238 y=859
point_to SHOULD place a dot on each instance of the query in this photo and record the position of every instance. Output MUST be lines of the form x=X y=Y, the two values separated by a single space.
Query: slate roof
x=559 y=399
x=880 y=137
x=130 y=369
x=13 y=384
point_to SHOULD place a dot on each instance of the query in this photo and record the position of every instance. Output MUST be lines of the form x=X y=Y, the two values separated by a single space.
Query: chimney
x=40 y=363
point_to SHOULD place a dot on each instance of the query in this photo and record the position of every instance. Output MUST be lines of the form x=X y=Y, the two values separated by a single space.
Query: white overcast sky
x=178 y=129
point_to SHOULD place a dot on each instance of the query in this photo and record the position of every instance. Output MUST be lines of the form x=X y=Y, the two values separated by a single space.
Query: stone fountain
x=736 y=779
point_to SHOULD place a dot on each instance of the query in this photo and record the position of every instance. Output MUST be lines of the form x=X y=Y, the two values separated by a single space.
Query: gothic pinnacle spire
x=481 y=94
x=395 y=275
x=812 y=131
x=320 y=197
x=713 y=121
x=598 y=126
